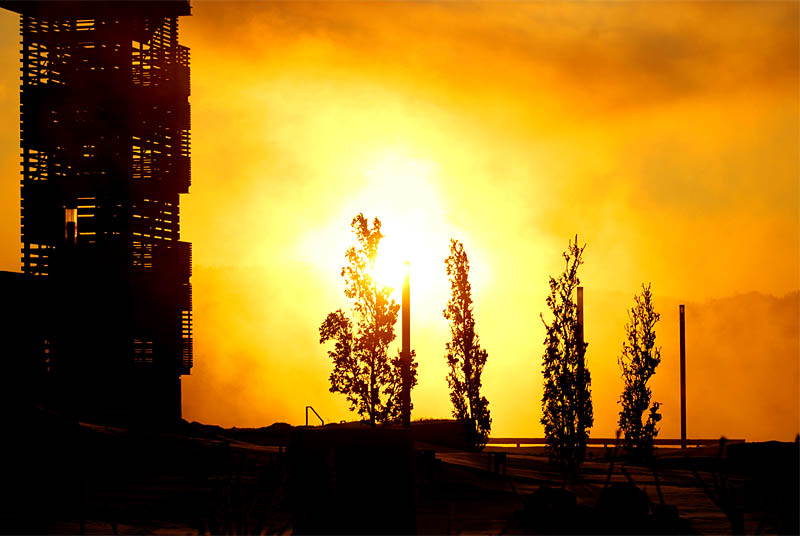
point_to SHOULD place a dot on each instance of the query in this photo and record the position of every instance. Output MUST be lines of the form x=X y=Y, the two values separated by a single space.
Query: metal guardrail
x=605 y=441
x=315 y=413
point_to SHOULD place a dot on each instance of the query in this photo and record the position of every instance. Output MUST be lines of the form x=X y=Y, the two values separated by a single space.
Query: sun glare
x=402 y=189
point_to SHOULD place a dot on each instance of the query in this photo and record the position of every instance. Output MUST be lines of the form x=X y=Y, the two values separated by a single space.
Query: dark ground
x=70 y=478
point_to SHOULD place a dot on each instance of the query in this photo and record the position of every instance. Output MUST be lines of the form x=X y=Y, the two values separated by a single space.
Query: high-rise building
x=105 y=128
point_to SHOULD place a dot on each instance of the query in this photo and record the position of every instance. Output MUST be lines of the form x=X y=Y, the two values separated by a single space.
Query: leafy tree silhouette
x=464 y=353
x=638 y=360
x=567 y=399
x=362 y=370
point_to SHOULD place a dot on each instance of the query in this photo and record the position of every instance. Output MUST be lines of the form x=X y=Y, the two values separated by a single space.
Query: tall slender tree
x=567 y=400
x=464 y=354
x=638 y=360
x=362 y=369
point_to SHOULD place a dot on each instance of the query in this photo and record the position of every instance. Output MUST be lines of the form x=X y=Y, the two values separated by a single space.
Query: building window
x=142 y=351
x=71 y=225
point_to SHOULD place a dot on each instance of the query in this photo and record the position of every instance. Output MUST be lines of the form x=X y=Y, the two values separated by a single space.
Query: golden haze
x=664 y=134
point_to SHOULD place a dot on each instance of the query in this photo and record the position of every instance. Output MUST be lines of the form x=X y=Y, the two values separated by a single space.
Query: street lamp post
x=406 y=357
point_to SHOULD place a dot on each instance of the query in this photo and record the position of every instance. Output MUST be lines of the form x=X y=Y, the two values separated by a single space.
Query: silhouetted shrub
x=638 y=361
x=362 y=370
x=464 y=354
x=567 y=399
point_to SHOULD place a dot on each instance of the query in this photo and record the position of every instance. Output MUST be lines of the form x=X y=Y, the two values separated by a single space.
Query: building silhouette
x=105 y=290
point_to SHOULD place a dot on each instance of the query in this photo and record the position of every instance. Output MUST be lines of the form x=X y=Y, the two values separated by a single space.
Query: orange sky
x=664 y=134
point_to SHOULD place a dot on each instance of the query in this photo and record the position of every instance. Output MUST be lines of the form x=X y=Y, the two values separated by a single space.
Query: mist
x=649 y=130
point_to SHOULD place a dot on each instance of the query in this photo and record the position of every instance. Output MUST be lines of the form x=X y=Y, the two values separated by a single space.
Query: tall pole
x=581 y=368
x=406 y=357
x=580 y=321
x=683 y=376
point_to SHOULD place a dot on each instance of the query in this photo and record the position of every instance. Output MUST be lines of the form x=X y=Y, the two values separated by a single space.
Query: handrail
x=518 y=441
x=315 y=413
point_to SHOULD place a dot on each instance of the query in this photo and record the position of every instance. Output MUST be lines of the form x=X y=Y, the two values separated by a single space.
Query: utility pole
x=406 y=358
x=683 y=376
